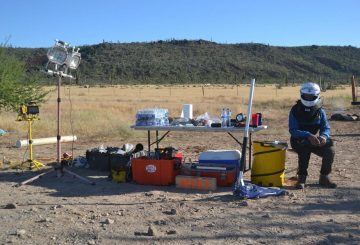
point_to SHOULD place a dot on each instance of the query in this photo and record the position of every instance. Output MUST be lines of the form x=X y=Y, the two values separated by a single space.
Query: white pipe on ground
x=44 y=141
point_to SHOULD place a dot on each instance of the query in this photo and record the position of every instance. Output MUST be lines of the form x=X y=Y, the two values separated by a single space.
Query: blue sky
x=36 y=23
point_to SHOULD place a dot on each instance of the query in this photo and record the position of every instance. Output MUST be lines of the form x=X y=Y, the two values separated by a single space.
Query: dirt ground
x=66 y=210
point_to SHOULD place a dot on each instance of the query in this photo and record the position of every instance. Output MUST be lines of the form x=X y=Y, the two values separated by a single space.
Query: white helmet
x=310 y=94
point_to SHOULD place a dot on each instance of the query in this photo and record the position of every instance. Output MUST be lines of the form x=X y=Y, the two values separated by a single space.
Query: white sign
x=150 y=168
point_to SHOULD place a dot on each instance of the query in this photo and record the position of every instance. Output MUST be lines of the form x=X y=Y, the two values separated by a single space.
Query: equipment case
x=225 y=176
x=119 y=162
x=220 y=157
x=98 y=160
x=155 y=172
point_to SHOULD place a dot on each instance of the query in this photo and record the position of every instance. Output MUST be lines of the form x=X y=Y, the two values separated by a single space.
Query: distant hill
x=200 y=61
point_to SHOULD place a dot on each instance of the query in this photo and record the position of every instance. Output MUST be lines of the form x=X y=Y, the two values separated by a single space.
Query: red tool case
x=225 y=175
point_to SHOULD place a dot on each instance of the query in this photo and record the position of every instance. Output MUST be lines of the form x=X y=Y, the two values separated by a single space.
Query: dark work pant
x=304 y=151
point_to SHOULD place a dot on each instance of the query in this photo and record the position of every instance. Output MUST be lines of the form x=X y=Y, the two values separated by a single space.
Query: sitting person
x=310 y=133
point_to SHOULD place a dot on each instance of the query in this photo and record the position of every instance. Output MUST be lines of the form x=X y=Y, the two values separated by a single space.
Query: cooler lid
x=220 y=155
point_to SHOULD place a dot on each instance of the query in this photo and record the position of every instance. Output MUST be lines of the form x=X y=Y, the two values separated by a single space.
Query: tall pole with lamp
x=63 y=59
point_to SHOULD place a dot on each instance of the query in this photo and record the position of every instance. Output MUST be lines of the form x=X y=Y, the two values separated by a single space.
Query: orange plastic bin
x=155 y=172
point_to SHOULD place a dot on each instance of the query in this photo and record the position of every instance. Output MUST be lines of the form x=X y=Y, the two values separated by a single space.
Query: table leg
x=157 y=139
x=160 y=139
x=148 y=141
x=232 y=136
x=250 y=153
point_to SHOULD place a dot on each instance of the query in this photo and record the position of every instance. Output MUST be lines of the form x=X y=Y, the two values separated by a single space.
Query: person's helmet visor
x=309 y=97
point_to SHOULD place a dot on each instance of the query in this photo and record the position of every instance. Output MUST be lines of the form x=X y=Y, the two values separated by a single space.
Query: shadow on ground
x=68 y=186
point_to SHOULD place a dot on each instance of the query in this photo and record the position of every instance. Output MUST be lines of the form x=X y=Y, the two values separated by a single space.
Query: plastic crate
x=98 y=160
x=119 y=162
x=155 y=172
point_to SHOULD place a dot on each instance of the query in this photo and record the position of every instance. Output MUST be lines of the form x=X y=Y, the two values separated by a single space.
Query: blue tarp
x=251 y=191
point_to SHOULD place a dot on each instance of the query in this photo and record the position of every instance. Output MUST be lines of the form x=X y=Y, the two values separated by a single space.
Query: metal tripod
x=59 y=168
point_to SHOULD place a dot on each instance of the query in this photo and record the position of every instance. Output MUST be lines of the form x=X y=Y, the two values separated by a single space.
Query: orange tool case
x=155 y=172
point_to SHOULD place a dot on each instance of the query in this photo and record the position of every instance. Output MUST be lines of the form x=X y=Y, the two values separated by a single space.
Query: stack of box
x=219 y=164
x=152 y=117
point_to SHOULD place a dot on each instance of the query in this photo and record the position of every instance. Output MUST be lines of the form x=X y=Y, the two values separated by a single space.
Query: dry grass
x=107 y=112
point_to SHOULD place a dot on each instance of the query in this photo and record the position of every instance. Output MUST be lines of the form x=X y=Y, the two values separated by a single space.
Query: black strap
x=277 y=172
x=264 y=152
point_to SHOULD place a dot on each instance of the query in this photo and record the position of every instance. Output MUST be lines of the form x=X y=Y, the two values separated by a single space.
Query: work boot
x=300 y=184
x=325 y=181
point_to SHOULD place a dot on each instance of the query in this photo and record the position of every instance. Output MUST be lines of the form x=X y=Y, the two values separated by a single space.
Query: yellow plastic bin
x=118 y=176
x=268 y=167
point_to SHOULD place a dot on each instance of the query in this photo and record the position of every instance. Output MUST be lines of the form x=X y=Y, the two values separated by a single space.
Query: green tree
x=16 y=85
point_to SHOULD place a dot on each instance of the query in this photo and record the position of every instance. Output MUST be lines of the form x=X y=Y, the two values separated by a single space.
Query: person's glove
x=322 y=140
x=314 y=140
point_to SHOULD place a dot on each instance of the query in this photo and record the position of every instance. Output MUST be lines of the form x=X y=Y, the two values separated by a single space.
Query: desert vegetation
x=201 y=61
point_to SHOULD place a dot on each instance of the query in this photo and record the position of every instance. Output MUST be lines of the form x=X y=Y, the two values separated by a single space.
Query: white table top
x=198 y=128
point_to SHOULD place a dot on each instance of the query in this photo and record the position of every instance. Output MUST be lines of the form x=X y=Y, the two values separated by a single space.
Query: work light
x=73 y=59
x=61 y=54
x=58 y=53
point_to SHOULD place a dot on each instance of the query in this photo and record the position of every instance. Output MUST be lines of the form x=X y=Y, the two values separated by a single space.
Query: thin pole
x=250 y=149
x=58 y=158
x=157 y=141
x=251 y=95
x=353 y=89
x=240 y=179
x=30 y=142
x=149 y=142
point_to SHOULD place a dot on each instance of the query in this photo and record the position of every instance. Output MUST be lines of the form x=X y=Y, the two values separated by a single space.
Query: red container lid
x=179 y=155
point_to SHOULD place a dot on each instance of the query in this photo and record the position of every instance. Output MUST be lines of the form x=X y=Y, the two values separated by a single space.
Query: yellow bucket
x=118 y=176
x=269 y=163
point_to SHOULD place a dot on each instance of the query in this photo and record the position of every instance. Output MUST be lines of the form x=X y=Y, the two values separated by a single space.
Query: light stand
x=30 y=113
x=62 y=60
x=33 y=163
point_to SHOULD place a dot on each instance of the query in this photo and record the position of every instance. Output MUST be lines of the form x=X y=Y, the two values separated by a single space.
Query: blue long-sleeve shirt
x=296 y=132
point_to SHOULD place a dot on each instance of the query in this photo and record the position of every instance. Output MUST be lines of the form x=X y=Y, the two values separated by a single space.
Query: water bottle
x=228 y=117
x=223 y=118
